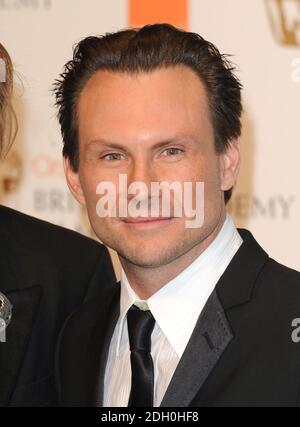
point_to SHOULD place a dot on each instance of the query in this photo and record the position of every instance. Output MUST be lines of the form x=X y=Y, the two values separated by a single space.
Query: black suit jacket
x=241 y=351
x=46 y=272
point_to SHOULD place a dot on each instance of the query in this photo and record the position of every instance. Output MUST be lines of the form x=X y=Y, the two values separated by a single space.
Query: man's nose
x=142 y=172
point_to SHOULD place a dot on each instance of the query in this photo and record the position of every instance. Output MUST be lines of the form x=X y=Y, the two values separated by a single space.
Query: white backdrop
x=264 y=38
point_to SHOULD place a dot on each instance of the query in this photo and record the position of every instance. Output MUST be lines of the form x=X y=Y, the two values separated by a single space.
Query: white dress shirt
x=176 y=308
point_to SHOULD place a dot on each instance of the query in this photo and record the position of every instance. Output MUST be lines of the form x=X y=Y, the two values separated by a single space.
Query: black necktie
x=140 y=326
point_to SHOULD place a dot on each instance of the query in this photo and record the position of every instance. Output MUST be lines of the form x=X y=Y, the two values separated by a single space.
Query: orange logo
x=142 y=12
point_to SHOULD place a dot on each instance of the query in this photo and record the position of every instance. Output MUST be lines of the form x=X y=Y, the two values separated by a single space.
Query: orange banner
x=143 y=12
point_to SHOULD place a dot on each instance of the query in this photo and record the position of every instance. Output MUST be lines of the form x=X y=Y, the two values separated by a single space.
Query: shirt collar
x=178 y=304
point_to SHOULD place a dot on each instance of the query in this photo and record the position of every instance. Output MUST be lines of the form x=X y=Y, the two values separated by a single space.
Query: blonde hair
x=8 y=122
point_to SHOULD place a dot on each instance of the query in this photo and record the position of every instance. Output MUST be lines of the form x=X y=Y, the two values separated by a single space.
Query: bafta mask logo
x=10 y=173
x=284 y=17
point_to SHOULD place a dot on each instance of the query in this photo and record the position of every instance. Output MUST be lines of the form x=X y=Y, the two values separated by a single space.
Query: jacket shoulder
x=31 y=232
x=282 y=275
x=278 y=288
x=42 y=247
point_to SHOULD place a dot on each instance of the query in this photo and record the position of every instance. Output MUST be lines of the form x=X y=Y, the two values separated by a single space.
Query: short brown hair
x=8 y=123
x=144 y=50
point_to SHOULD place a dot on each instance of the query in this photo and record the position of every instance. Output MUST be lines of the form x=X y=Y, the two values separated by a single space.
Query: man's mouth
x=143 y=220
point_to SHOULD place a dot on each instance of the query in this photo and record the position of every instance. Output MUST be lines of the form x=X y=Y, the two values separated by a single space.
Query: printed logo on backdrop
x=25 y=4
x=244 y=206
x=11 y=170
x=51 y=200
x=284 y=18
x=48 y=198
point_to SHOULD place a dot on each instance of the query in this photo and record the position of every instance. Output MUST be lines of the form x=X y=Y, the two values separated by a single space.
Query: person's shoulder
x=282 y=275
x=283 y=281
x=278 y=287
x=273 y=284
x=51 y=244
x=272 y=272
x=59 y=257
x=34 y=233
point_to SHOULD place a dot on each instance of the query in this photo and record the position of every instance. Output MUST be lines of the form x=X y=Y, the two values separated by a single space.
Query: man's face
x=153 y=127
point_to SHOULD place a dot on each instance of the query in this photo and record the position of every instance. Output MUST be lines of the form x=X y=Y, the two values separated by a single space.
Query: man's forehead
x=147 y=97
x=125 y=115
x=106 y=78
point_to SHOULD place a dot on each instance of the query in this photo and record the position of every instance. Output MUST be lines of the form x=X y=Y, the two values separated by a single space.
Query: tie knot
x=140 y=326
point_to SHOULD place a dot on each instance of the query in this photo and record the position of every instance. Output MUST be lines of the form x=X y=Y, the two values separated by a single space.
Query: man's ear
x=230 y=164
x=73 y=181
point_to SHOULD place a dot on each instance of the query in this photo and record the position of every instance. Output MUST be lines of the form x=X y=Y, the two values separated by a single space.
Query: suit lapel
x=209 y=339
x=112 y=321
x=236 y=285
x=23 y=291
x=212 y=333
x=98 y=348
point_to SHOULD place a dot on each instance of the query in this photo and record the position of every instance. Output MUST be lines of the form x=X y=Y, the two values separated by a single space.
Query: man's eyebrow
x=105 y=143
x=175 y=140
x=110 y=144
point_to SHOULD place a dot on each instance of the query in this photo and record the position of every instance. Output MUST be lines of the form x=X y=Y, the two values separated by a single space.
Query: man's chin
x=154 y=256
x=145 y=259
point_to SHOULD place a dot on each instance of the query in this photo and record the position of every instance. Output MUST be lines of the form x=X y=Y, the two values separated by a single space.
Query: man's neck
x=147 y=281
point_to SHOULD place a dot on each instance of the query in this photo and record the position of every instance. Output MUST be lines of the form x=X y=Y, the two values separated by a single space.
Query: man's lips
x=141 y=220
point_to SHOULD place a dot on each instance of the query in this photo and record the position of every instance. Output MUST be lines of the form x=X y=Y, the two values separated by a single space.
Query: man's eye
x=172 y=151
x=113 y=156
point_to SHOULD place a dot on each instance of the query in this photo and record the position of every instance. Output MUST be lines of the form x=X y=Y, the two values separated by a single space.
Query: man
x=202 y=316
x=46 y=273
